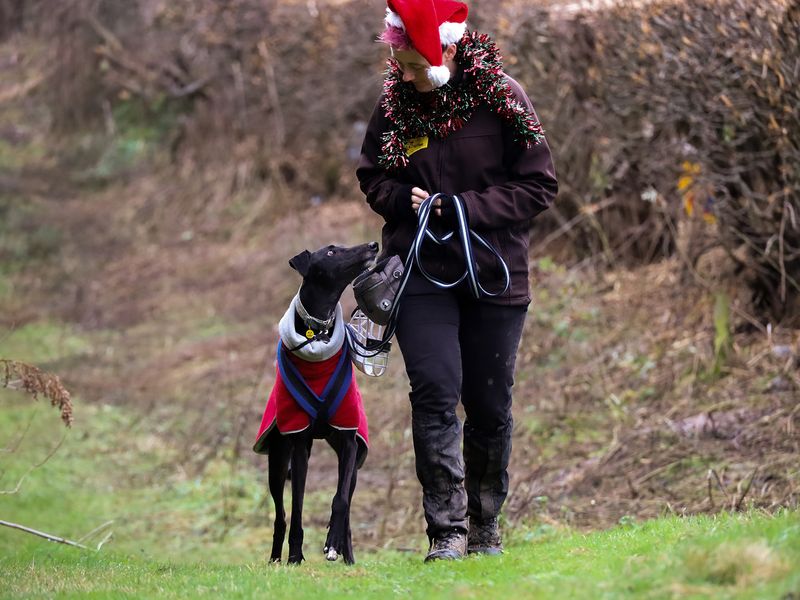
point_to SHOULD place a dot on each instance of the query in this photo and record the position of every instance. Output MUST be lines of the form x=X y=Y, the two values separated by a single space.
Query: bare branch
x=34 y=467
x=97 y=530
x=15 y=445
x=47 y=536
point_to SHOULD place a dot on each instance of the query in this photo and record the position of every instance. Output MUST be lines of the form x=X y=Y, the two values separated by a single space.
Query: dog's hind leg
x=349 y=557
x=301 y=449
x=339 y=541
x=278 y=471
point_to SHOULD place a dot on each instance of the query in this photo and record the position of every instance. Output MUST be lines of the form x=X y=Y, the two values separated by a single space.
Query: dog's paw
x=349 y=557
x=296 y=559
x=330 y=553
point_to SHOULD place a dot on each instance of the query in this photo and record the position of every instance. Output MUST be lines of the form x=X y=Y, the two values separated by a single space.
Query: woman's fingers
x=418 y=195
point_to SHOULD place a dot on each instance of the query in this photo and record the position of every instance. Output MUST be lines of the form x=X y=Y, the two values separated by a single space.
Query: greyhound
x=315 y=397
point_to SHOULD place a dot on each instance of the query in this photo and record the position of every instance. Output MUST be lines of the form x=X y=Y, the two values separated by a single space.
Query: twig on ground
x=61 y=540
x=790 y=420
x=746 y=489
x=720 y=484
x=648 y=476
x=634 y=492
x=102 y=542
x=567 y=226
x=710 y=495
x=97 y=530
x=47 y=536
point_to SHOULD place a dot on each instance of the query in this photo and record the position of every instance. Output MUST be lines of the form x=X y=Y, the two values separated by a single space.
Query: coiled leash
x=466 y=235
x=365 y=347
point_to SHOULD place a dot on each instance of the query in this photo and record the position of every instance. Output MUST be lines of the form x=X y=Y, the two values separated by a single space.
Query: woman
x=451 y=122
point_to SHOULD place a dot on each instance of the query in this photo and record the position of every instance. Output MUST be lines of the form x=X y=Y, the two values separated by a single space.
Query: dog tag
x=309 y=334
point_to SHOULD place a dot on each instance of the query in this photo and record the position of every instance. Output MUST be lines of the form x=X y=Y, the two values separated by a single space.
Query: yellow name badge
x=416 y=144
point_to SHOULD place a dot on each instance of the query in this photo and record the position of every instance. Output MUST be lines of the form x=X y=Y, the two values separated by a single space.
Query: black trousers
x=456 y=347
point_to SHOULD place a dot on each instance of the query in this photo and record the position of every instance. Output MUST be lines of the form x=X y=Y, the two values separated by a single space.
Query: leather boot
x=484 y=537
x=448 y=546
x=440 y=469
x=486 y=456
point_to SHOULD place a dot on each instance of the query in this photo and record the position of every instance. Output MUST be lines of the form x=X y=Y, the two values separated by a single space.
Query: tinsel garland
x=440 y=112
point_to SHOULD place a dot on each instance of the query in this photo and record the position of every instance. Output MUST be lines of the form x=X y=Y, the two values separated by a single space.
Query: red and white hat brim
x=449 y=33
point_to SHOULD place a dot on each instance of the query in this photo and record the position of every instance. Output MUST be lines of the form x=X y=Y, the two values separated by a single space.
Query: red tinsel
x=442 y=111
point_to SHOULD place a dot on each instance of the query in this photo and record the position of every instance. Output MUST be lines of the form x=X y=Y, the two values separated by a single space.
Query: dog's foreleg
x=339 y=540
x=349 y=557
x=278 y=471
x=301 y=448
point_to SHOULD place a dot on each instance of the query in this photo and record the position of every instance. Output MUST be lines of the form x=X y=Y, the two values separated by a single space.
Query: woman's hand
x=418 y=195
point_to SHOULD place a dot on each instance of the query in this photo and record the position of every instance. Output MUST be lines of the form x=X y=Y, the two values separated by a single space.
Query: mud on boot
x=448 y=546
x=484 y=537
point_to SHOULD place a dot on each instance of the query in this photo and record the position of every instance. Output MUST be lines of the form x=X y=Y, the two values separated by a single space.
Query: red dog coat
x=287 y=409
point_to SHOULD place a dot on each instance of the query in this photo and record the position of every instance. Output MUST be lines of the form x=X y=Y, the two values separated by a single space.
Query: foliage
x=641 y=91
x=638 y=91
x=32 y=380
x=231 y=70
x=23 y=235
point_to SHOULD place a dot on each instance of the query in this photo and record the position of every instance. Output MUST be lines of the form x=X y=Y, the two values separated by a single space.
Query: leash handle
x=466 y=235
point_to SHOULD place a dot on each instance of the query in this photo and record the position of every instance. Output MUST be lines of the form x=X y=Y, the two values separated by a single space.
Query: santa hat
x=429 y=24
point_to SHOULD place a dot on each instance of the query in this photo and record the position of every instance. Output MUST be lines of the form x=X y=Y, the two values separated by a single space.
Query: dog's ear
x=301 y=262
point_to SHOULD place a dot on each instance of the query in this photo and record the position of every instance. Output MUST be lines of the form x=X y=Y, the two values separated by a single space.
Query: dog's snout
x=373 y=245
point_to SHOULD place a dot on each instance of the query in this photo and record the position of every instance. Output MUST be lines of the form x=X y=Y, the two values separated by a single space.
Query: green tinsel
x=440 y=112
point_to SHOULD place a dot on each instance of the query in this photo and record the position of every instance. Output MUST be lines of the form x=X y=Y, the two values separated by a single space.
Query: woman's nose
x=408 y=76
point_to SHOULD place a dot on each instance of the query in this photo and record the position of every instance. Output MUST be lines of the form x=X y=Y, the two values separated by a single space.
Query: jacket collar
x=316 y=350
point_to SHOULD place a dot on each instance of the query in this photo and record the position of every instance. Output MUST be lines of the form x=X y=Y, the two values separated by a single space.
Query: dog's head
x=334 y=267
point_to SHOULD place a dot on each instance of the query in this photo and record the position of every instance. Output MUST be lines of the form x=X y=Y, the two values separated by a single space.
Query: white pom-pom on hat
x=438 y=76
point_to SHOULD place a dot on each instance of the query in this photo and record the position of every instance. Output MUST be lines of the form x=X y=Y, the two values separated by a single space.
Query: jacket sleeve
x=385 y=194
x=531 y=185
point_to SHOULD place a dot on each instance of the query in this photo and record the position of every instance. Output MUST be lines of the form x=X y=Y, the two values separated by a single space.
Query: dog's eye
x=331 y=252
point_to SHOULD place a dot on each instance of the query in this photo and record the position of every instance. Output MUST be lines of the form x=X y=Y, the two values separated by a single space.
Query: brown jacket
x=503 y=186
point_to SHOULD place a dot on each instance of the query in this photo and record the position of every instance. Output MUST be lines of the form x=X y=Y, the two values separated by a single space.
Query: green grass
x=178 y=536
x=744 y=556
x=41 y=342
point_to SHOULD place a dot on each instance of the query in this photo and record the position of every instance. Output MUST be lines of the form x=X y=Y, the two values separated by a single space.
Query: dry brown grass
x=32 y=380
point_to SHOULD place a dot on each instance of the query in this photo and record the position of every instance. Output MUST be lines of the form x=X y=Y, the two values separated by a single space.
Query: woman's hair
x=396 y=38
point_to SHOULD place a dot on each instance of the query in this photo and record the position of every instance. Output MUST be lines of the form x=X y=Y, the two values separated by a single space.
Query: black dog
x=315 y=397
